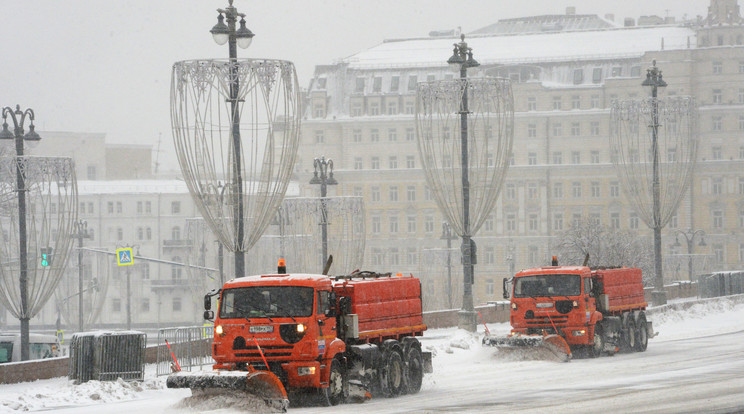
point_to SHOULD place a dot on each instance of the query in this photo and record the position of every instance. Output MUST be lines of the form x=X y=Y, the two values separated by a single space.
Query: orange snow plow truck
x=559 y=310
x=332 y=338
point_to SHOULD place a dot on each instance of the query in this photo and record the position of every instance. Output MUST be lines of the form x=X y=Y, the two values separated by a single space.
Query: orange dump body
x=623 y=287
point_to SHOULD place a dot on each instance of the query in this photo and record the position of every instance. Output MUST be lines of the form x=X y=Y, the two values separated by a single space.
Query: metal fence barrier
x=107 y=356
x=191 y=346
x=721 y=284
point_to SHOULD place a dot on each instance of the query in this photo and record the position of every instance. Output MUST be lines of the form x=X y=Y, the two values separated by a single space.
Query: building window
x=393 y=225
x=176 y=233
x=375 y=163
x=319 y=138
x=411 y=254
x=319 y=110
x=119 y=234
x=633 y=221
x=429 y=224
x=511 y=222
x=576 y=189
x=615 y=220
x=594 y=157
x=532 y=222
x=557 y=190
x=411 y=224
x=556 y=103
x=614 y=189
x=718 y=219
x=594 y=102
x=377 y=84
x=557 y=129
x=410 y=134
x=412 y=81
x=145 y=305
x=532 y=158
x=717 y=68
x=374 y=108
x=596 y=75
x=393 y=193
x=595 y=189
x=716 y=153
x=410 y=107
x=392 y=108
x=359 y=85
x=532 y=130
x=176 y=304
x=374 y=135
x=119 y=207
x=394 y=257
x=358 y=163
x=356 y=135
x=176 y=207
x=532 y=191
x=594 y=129
x=617 y=71
x=322 y=83
x=575 y=220
x=488 y=225
x=576 y=102
x=578 y=76
x=717 y=123
x=558 y=222
x=377 y=257
x=575 y=129
x=575 y=157
x=356 y=109
x=376 y=225
x=411 y=193
x=557 y=158
x=116 y=305
x=718 y=252
x=357 y=191
x=410 y=161
x=394 y=83
x=91 y=172
x=140 y=233
x=393 y=162
x=91 y=209
x=511 y=192
x=532 y=255
x=375 y=193
x=531 y=104
x=717 y=96
x=148 y=233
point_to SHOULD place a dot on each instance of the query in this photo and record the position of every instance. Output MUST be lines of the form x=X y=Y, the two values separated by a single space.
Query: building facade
x=565 y=71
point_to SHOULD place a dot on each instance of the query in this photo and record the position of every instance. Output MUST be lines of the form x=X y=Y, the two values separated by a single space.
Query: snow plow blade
x=261 y=384
x=547 y=347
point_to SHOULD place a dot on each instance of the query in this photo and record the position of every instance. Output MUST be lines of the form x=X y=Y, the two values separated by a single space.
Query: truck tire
x=337 y=384
x=595 y=350
x=391 y=372
x=414 y=372
x=628 y=342
x=641 y=334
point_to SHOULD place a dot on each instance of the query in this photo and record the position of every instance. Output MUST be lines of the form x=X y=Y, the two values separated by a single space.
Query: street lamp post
x=689 y=236
x=655 y=81
x=19 y=117
x=242 y=37
x=448 y=235
x=81 y=232
x=323 y=175
x=462 y=58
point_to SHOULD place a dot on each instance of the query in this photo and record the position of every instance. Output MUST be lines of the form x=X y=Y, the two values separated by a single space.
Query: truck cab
x=554 y=300
x=281 y=323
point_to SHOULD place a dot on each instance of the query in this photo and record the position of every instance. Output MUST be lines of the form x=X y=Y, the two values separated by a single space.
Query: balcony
x=177 y=244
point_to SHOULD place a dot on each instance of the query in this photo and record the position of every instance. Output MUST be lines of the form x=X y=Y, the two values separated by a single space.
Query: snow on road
x=695 y=364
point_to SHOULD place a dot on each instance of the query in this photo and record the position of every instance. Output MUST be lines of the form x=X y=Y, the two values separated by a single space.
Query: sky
x=105 y=66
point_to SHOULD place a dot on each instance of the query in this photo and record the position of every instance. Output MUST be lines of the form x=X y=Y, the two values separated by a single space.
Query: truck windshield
x=547 y=285
x=266 y=302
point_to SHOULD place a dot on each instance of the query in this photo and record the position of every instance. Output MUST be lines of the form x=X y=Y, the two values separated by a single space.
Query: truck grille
x=268 y=350
x=540 y=320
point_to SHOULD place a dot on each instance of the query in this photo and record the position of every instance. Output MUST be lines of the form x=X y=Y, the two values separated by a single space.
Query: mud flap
x=261 y=384
x=536 y=347
x=358 y=392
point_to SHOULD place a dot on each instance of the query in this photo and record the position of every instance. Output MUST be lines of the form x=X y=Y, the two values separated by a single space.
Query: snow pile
x=706 y=318
x=58 y=392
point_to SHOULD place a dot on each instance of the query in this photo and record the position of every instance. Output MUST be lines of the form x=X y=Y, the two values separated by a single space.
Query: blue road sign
x=124 y=257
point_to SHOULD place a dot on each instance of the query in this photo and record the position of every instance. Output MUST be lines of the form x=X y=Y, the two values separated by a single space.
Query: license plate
x=261 y=329
x=545 y=305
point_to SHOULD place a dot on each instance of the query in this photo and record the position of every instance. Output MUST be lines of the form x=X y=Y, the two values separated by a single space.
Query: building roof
x=546 y=23
x=527 y=48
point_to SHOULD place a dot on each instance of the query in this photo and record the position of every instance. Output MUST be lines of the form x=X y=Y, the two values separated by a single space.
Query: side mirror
x=332 y=304
x=208 y=315
x=505 y=285
x=207 y=303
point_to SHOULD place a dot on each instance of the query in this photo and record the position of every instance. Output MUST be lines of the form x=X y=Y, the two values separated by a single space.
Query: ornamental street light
x=323 y=175
x=462 y=59
x=241 y=37
x=81 y=232
x=689 y=236
x=19 y=118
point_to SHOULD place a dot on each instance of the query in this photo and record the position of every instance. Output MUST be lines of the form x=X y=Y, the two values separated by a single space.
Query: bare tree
x=606 y=247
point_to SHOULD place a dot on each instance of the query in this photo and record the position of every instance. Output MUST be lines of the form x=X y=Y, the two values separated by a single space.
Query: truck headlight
x=300 y=327
x=218 y=330
x=580 y=332
x=514 y=306
x=305 y=371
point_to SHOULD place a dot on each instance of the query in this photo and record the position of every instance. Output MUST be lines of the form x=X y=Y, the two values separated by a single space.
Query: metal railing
x=190 y=345
x=107 y=356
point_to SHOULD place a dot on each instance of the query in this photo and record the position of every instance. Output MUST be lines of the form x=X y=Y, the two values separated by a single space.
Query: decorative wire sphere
x=490 y=127
x=631 y=144
x=296 y=235
x=435 y=278
x=268 y=106
x=51 y=211
x=96 y=279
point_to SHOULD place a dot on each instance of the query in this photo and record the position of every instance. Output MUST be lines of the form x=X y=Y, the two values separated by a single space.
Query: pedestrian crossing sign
x=124 y=257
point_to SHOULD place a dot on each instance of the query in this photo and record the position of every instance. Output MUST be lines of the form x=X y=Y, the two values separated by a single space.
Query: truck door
x=589 y=299
x=326 y=319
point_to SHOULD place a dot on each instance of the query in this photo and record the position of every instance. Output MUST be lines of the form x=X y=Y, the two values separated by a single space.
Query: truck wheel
x=391 y=373
x=414 y=373
x=336 y=391
x=629 y=335
x=596 y=350
x=641 y=334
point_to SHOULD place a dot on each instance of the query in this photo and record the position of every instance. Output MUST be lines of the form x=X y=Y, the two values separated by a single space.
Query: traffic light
x=46 y=256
